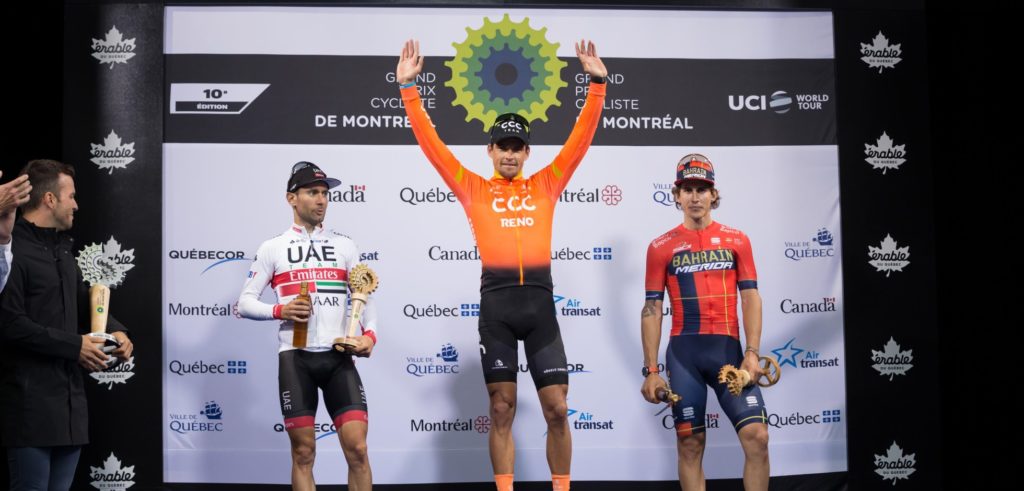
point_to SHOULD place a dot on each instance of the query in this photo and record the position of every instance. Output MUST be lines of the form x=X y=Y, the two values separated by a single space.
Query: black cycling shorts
x=299 y=375
x=525 y=313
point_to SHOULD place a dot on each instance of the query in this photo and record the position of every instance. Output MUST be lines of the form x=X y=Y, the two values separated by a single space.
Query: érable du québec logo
x=113 y=48
x=888 y=256
x=117 y=375
x=892 y=360
x=113 y=475
x=113 y=153
x=885 y=154
x=895 y=464
x=880 y=54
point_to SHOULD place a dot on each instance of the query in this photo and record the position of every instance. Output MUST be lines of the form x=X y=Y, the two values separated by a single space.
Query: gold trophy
x=735 y=379
x=103 y=266
x=665 y=394
x=362 y=281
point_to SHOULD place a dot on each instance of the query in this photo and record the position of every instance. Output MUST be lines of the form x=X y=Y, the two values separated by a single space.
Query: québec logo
x=598 y=253
x=889 y=256
x=112 y=153
x=445 y=362
x=885 y=154
x=113 y=48
x=827 y=416
x=574 y=307
x=892 y=360
x=119 y=374
x=895 y=464
x=789 y=354
x=112 y=475
x=880 y=54
x=820 y=246
x=463 y=310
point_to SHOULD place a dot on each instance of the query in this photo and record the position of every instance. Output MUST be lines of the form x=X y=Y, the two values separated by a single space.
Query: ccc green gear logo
x=505 y=67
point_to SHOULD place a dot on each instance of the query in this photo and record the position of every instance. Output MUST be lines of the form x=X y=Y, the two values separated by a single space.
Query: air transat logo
x=505 y=67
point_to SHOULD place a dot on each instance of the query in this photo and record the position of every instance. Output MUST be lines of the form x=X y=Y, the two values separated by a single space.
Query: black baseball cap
x=510 y=125
x=306 y=173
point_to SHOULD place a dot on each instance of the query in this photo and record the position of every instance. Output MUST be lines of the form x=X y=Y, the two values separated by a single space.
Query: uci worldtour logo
x=479 y=424
x=356 y=193
x=112 y=153
x=822 y=248
x=119 y=374
x=208 y=420
x=789 y=354
x=779 y=101
x=574 y=307
x=200 y=367
x=433 y=310
x=445 y=362
x=433 y=195
x=112 y=475
x=789 y=306
x=113 y=48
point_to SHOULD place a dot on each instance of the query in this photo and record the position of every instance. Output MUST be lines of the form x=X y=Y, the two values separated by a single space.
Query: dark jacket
x=42 y=388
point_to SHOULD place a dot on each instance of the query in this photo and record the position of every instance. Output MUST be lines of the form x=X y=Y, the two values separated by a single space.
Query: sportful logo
x=880 y=54
x=889 y=256
x=113 y=48
x=894 y=464
x=892 y=360
x=119 y=374
x=885 y=154
x=112 y=153
x=112 y=475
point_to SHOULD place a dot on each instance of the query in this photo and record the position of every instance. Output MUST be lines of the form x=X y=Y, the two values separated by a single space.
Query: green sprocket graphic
x=530 y=78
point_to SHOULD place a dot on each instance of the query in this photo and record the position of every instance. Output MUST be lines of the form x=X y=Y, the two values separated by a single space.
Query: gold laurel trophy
x=735 y=379
x=362 y=281
x=101 y=274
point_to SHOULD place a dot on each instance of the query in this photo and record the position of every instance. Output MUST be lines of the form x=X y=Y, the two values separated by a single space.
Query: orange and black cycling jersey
x=510 y=218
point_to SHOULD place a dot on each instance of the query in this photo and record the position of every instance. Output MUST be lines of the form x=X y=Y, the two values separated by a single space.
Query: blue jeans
x=42 y=468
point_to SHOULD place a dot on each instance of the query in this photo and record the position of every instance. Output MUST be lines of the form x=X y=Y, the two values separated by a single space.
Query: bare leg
x=754 y=439
x=503 y=412
x=559 y=444
x=691 y=459
x=303 y=442
x=353 y=443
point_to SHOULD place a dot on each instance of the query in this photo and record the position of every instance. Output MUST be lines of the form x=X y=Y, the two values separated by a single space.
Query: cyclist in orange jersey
x=511 y=217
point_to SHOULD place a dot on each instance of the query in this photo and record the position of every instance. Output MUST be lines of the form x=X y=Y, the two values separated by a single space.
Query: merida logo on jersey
x=697 y=261
x=305 y=254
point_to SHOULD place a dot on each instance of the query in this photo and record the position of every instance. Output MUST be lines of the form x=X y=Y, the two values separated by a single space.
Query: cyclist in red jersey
x=511 y=217
x=703 y=264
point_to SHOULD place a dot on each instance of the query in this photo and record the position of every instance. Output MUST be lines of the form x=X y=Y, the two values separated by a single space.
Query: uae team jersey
x=703 y=271
x=510 y=218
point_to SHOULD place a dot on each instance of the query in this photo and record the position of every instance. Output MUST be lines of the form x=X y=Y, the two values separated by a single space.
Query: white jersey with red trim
x=322 y=259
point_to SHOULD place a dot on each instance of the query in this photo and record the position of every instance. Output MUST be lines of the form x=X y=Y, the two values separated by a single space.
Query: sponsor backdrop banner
x=250 y=91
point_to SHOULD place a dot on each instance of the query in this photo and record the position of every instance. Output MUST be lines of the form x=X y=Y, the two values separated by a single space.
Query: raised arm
x=410 y=64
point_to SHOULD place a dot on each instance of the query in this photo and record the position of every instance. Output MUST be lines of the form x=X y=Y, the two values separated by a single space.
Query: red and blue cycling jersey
x=703 y=271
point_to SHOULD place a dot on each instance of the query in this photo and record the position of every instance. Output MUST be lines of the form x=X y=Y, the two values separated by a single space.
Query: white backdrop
x=222 y=200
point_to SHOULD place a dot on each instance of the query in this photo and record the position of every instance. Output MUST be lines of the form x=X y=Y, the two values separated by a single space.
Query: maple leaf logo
x=111 y=476
x=891 y=360
x=885 y=154
x=880 y=53
x=114 y=48
x=117 y=375
x=894 y=464
x=889 y=257
x=112 y=154
x=105 y=264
